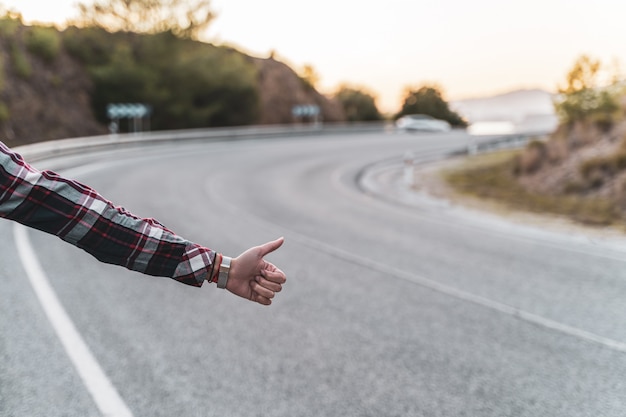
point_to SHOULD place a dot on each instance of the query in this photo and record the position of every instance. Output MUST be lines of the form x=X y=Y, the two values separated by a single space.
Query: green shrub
x=4 y=113
x=21 y=65
x=43 y=42
x=9 y=23
x=188 y=84
x=92 y=46
x=429 y=100
x=1 y=73
x=597 y=106
x=582 y=99
x=359 y=105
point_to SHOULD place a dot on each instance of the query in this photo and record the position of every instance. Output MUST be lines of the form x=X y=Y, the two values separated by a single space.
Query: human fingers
x=257 y=298
x=261 y=300
x=270 y=247
x=275 y=275
x=261 y=290
x=273 y=286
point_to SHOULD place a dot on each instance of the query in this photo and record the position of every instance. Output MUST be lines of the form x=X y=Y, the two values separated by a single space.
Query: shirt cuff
x=195 y=265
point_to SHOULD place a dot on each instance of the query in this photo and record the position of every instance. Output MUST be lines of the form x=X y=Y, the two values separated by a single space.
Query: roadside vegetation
x=57 y=83
x=578 y=172
x=9 y=23
x=358 y=104
x=44 y=42
x=147 y=54
x=428 y=100
x=493 y=177
x=188 y=83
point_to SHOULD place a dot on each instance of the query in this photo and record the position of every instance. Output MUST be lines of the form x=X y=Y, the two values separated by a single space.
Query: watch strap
x=224 y=270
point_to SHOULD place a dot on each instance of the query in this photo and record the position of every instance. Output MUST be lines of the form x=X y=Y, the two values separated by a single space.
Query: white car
x=424 y=122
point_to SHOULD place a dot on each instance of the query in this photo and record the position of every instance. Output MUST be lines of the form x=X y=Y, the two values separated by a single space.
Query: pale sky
x=470 y=48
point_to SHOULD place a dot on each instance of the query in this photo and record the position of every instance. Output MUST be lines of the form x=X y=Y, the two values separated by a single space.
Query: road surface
x=389 y=310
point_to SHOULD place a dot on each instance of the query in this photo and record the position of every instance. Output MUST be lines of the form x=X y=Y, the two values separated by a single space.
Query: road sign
x=128 y=111
x=305 y=110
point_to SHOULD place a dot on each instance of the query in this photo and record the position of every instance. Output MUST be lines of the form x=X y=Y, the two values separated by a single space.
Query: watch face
x=222 y=277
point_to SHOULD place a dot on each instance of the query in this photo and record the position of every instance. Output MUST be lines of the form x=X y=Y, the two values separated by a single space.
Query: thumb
x=270 y=247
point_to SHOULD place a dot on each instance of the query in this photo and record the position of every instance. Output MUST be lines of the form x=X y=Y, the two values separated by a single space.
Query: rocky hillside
x=44 y=99
x=281 y=88
x=581 y=159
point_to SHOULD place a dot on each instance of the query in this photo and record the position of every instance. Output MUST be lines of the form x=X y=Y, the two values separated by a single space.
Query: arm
x=80 y=216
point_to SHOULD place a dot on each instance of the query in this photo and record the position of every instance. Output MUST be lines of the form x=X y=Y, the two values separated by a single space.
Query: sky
x=469 y=48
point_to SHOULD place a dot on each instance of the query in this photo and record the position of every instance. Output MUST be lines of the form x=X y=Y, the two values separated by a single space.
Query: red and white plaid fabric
x=79 y=215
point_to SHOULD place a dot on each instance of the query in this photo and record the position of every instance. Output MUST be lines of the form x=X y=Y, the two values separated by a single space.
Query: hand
x=254 y=278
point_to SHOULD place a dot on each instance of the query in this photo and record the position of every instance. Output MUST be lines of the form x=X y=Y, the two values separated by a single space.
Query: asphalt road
x=390 y=309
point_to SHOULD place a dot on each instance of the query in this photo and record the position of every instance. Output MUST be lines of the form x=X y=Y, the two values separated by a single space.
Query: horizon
x=469 y=51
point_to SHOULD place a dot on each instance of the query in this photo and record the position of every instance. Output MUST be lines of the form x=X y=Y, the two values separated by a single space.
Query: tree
x=309 y=76
x=582 y=99
x=429 y=100
x=358 y=104
x=169 y=74
x=582 y=76
x=184 y=18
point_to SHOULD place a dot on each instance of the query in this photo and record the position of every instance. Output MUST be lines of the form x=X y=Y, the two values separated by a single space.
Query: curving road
x=391 y=309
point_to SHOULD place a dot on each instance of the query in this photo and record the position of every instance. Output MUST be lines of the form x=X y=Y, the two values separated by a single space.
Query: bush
x=43 y=42
x=597 y=106
x=4 y=113
x=359 y=105
x=9 y=23
x=429 y=100
x=21 y=65
x=1 y=73
x=92 y=46
x=214 y=88
x=583 y=100
x=188 y=84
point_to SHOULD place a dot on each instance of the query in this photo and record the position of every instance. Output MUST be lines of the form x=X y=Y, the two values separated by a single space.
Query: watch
x=222 y=277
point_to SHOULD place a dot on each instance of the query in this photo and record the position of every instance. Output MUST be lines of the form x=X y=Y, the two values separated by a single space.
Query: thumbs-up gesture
x=253 y=277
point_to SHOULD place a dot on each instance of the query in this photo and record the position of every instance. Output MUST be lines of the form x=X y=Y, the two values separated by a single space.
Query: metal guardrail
x=476 y=146
x=63 y=147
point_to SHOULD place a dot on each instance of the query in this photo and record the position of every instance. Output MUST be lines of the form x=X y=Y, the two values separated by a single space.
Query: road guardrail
x=63 y=147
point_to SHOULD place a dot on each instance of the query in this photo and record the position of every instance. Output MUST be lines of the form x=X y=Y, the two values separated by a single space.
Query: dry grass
x=493 y=177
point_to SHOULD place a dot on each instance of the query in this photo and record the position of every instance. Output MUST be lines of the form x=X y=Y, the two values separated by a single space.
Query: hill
x=525 y=110
x=578 y=172
x=42 y=100
x=57 y=84
x=280 y=89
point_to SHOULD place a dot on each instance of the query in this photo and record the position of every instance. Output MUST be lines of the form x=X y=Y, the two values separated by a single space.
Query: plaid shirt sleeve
x=79 y=215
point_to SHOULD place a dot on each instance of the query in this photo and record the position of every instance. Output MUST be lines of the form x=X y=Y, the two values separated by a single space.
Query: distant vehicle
x=422 y=122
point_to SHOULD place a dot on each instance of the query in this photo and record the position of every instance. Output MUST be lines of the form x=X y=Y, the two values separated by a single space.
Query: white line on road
x=457 y=293
x=98 y=384
x=389 y=270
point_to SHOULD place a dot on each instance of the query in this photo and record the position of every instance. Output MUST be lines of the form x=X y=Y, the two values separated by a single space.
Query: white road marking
x=388 y=270
x=457 y=293
x=98 y=384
